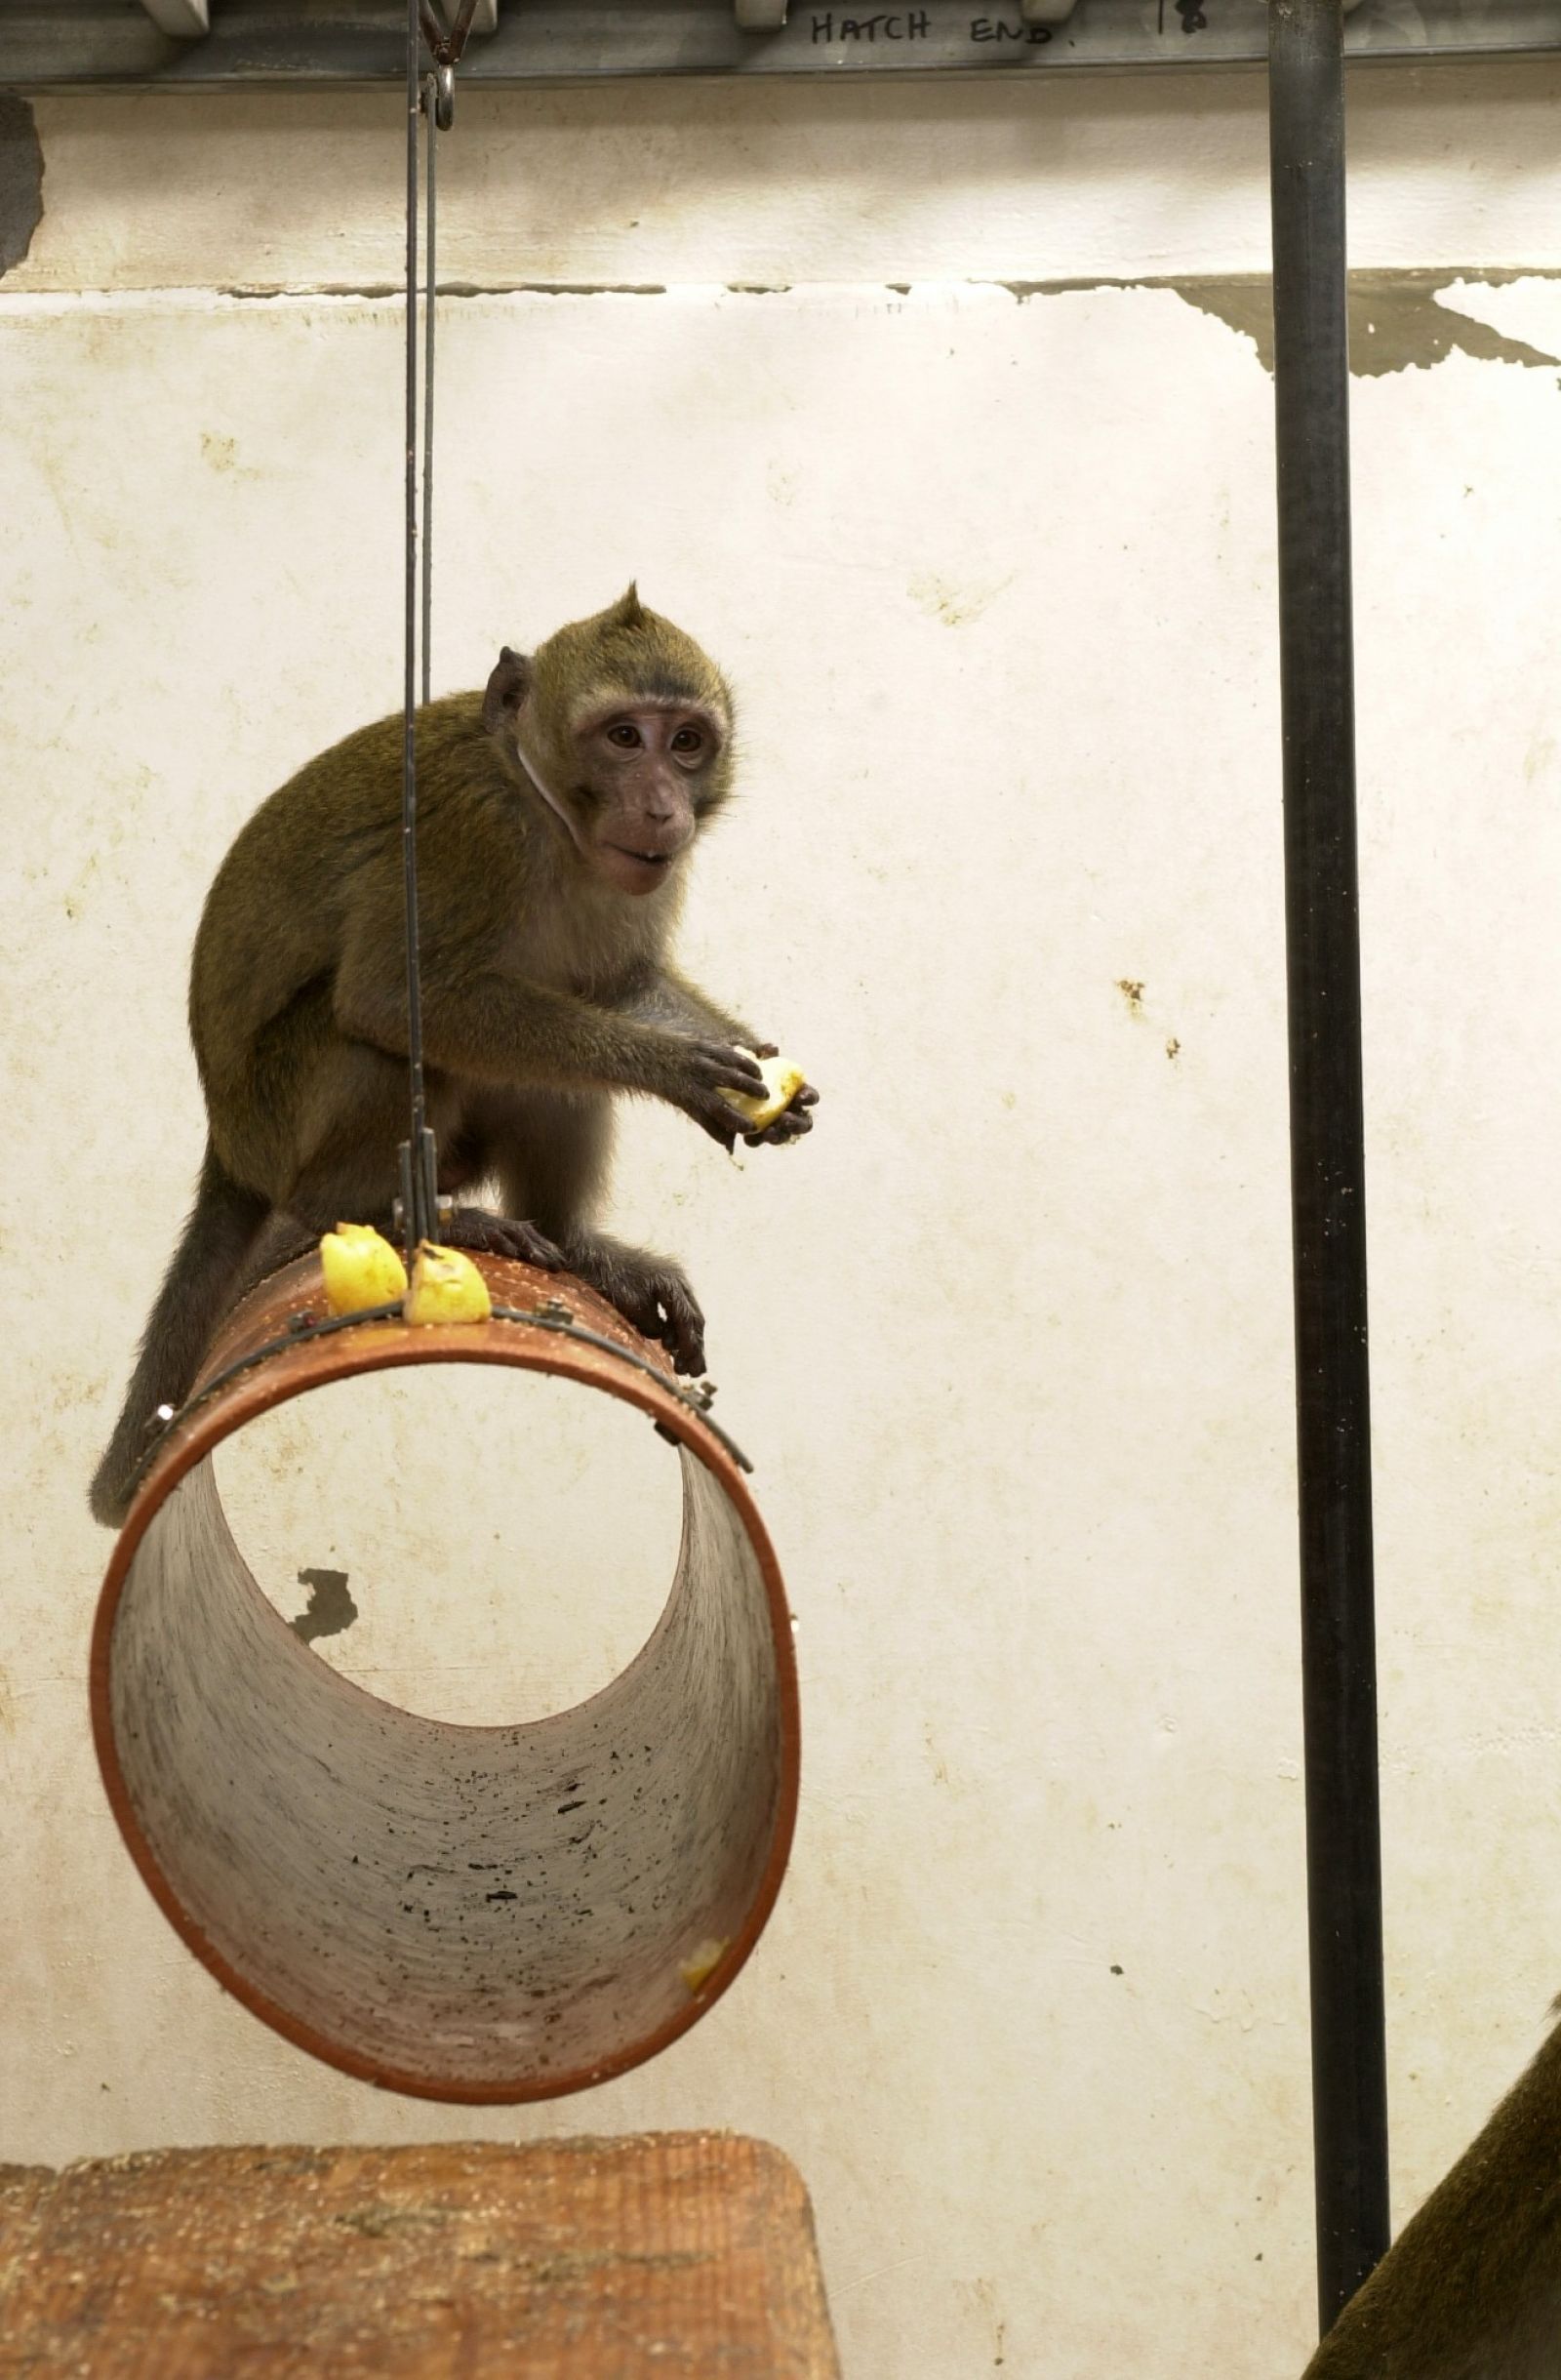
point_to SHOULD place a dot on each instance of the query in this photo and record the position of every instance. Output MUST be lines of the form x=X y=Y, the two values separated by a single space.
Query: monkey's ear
x=507 y=689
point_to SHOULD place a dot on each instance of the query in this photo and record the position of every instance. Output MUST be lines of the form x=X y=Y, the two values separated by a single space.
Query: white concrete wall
x=1010 y=1336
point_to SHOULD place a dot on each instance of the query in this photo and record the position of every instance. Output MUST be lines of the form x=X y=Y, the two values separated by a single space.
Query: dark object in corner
x=1471 y=2288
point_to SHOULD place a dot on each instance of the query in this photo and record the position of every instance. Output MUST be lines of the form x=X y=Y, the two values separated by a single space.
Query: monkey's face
x=623 y=727
x=647 y=770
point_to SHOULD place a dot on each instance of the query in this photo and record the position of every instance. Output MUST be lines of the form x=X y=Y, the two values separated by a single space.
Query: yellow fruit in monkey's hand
x=360 y=1268
x=781 y=1082
x=446 y=1287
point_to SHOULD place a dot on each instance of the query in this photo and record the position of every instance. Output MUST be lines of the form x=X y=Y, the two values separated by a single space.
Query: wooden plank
x=636 y=2259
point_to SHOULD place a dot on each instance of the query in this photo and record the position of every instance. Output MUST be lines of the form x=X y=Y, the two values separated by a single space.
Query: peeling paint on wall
x=1398 y=321
x=281 y=290
x=331 y=1608
x=20 y=179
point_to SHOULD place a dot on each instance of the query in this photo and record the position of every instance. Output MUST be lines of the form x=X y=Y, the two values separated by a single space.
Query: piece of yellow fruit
x=781 y=1082
x=360 y=1268
x=446 y=1287
x=701 y=1963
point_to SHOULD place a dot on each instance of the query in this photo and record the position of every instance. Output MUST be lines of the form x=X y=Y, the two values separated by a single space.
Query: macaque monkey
x=555 y=815
x=1471 y=2287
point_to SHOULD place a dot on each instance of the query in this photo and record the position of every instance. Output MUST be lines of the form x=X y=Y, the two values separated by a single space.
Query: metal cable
x=430 y=86
x=418 y=1171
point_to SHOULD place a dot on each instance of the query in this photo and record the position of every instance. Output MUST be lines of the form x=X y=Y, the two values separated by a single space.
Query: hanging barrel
x=570 y=1877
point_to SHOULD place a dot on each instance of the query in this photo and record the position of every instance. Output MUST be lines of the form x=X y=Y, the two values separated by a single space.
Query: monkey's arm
x=481 y=1022
x=662 y=997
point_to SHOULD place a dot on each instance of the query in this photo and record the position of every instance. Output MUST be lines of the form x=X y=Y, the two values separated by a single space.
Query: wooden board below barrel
x=632 y=2259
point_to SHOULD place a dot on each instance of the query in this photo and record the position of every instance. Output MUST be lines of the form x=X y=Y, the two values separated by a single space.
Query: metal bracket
x=183 y=19
x=445 y=41
x=419 y=1211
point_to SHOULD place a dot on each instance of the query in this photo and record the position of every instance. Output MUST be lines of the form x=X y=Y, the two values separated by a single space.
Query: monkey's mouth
x=644 y=859
x=637 y=872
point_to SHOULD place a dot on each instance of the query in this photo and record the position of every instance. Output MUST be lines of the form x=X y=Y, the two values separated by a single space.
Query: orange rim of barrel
x=281 y=1815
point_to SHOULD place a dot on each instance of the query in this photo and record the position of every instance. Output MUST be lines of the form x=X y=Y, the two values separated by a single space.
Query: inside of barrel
x=473 y=1911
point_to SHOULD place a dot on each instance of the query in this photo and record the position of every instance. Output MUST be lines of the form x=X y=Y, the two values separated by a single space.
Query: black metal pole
x=1339 y=1682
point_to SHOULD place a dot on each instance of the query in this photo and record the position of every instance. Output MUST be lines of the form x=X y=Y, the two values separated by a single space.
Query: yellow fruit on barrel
x=701 y=1962
x=360 y=1268
x=446 y=1287
x=781 y=1082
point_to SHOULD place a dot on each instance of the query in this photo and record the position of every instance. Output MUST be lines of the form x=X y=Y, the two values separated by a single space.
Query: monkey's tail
x=221 y=1230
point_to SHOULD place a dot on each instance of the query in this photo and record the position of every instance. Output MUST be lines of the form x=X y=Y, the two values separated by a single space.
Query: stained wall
x=942 y=414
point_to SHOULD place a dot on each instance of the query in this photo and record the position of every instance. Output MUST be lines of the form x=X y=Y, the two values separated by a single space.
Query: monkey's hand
x=793 y=1119
x=480 y=1234
x=790 y=1124
x=693 y=1074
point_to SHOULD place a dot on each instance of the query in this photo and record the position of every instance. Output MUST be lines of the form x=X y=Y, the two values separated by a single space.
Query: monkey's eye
x=625 y=735
x=688 y=739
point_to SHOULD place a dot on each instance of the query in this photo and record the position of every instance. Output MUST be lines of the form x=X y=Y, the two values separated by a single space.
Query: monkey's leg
x=197 y=1290
x=464 y=1162
x=342 y=1108
x=353 y=1113
x=281 y=1241
x=551 y=1151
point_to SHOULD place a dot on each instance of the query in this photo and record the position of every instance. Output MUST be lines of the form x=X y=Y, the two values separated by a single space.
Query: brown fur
x=1471 y=2287
x=550 y=872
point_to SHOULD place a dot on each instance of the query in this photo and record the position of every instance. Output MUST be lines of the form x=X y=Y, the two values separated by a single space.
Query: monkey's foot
x=649 y=1291
x=480 y=1234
